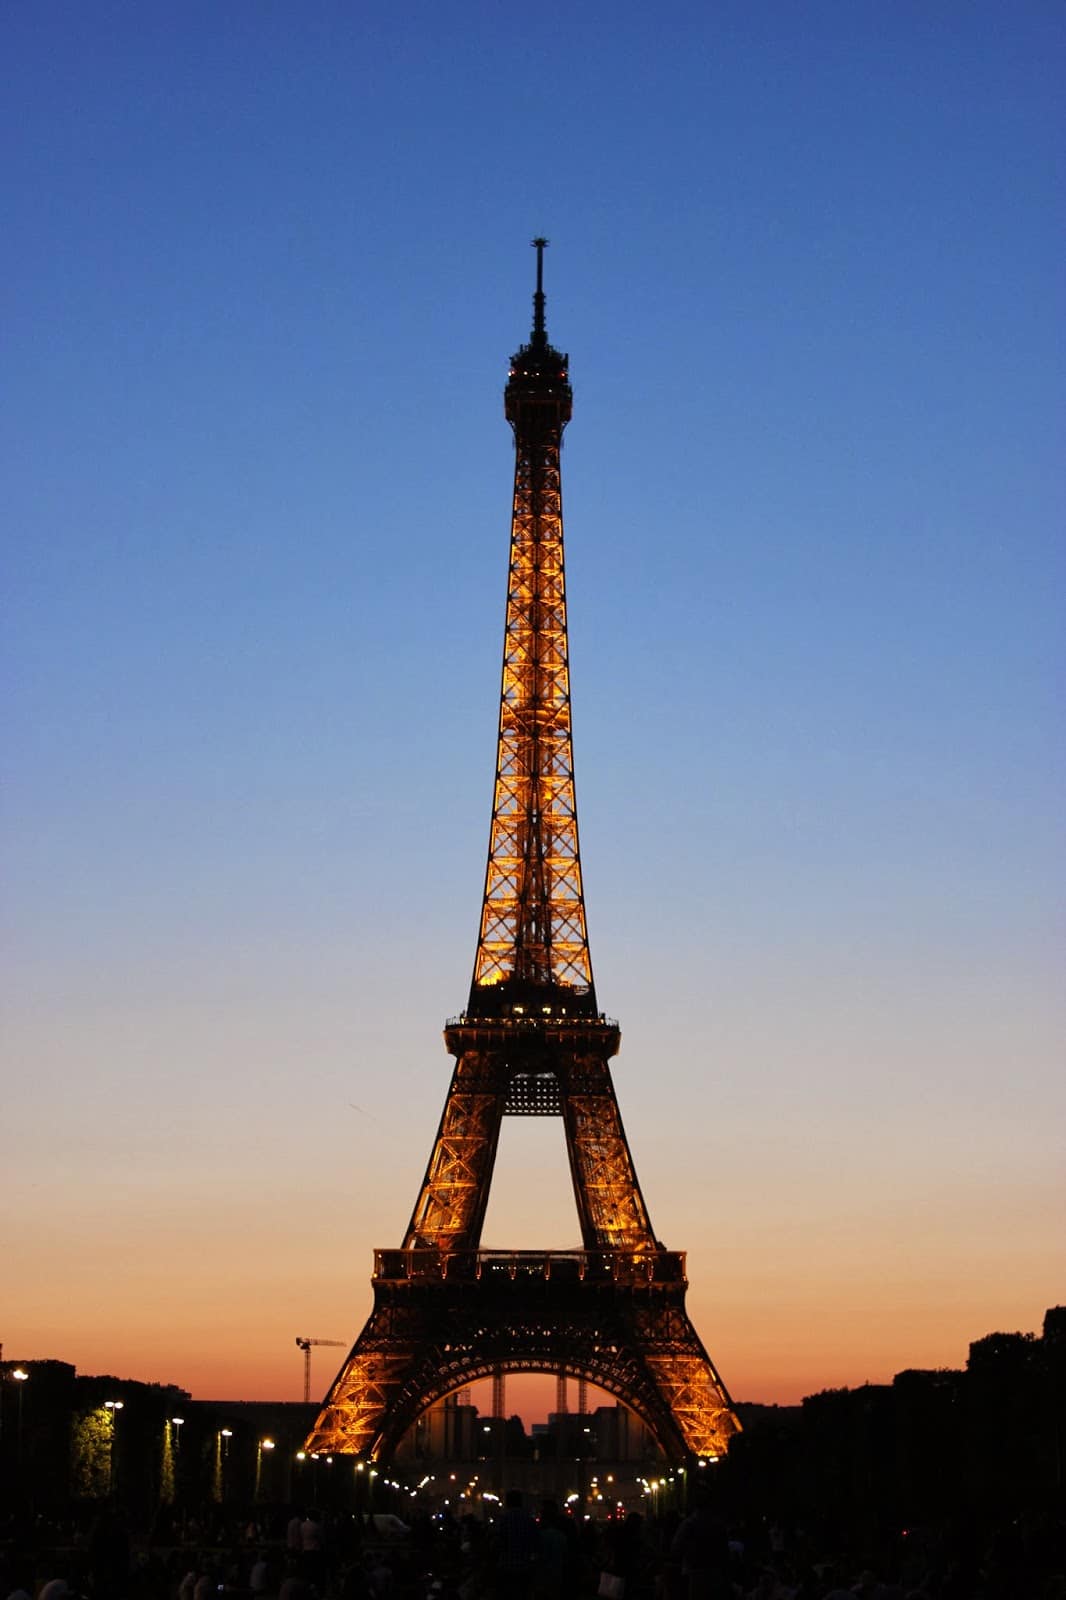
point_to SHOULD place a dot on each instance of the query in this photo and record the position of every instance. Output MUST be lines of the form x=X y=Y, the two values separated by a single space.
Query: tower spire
x=540 y=336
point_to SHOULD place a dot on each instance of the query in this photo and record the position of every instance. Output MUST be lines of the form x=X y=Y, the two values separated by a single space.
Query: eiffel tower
x=531 y=1043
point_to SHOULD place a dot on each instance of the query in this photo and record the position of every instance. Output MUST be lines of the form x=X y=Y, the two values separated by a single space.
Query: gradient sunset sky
x=265 y=265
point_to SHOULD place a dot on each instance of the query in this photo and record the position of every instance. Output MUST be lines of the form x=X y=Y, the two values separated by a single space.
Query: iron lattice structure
x=530 y=1043
x=533 y=916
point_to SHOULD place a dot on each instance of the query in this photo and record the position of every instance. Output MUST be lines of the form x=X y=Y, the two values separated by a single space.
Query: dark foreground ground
x=306 y=1555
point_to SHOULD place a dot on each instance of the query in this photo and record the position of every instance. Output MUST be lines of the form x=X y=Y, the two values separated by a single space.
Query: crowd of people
x=540 y=1553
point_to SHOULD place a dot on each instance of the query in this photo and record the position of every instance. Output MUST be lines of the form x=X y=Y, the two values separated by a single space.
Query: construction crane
x=305 y=1346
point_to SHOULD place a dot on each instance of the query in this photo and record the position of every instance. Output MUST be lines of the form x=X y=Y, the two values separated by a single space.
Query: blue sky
x=266 y=265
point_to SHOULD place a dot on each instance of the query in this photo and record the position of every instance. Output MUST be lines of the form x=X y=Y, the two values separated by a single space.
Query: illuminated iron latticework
x=533 y=917
x=530 y=1043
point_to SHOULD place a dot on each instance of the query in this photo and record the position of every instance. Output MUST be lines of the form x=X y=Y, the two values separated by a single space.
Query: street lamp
x=264 y=1444
x=218 y=1485
x=20 y=1378
x=114 y=1407
x=171 y=1470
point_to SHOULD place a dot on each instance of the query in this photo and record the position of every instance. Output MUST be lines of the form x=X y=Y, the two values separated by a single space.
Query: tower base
x=616 y=1319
